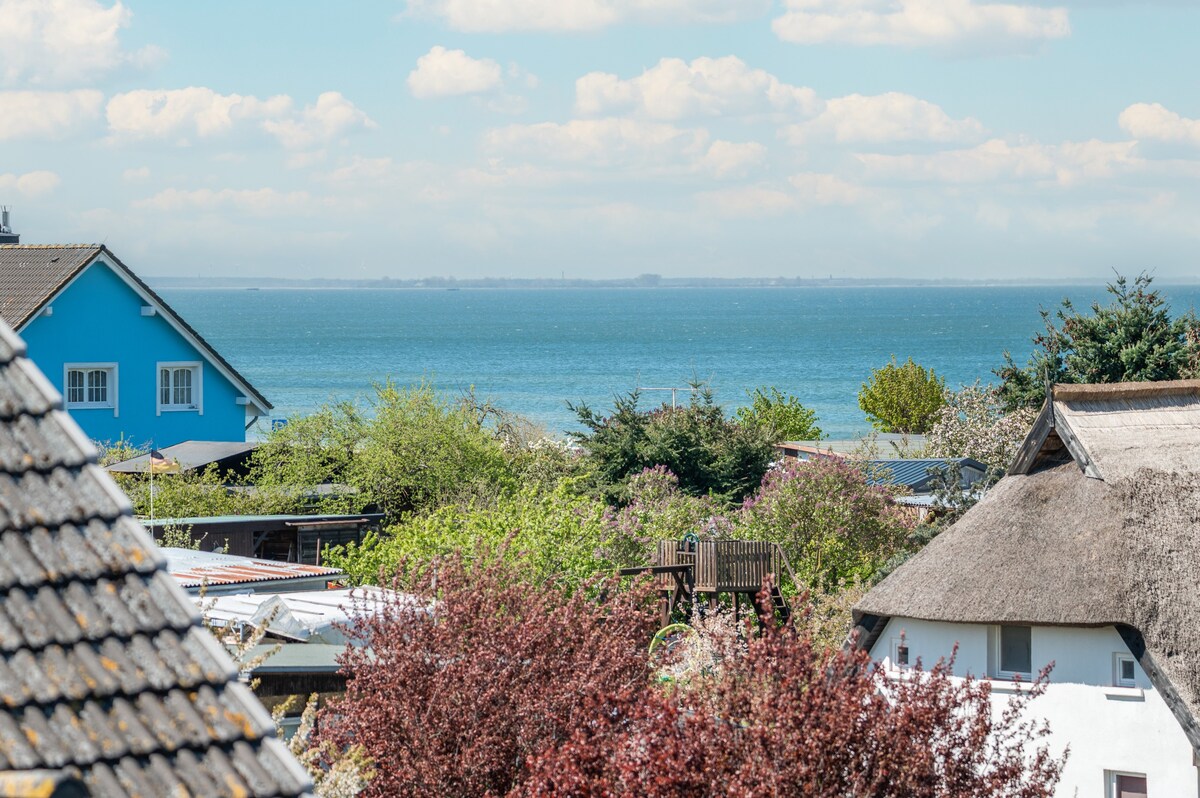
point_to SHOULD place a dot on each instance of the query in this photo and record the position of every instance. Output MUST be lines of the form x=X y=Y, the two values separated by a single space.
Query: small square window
x=901 y=658
x=1124 y=671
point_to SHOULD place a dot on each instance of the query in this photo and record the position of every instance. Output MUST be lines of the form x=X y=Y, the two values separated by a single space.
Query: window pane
x=97 y=386
x=1127 y=670
x=1016 y=649
x=1131 y=787
x=164 y=383
x=183 y=386
x=74 y=386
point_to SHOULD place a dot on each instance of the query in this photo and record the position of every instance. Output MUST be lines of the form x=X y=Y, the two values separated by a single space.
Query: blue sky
x=605 y=138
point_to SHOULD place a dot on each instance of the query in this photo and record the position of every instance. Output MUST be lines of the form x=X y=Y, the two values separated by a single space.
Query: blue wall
x=98 y=319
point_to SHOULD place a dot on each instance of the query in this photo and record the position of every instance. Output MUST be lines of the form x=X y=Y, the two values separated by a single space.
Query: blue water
x=531 y=351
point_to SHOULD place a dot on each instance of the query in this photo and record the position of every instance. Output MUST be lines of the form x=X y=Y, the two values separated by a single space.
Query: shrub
x=902 y=398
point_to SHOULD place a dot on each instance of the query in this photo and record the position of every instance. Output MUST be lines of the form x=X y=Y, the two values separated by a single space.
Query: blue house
x=127 y=365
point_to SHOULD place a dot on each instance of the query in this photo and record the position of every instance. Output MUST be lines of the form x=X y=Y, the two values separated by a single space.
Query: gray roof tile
x=103 y=665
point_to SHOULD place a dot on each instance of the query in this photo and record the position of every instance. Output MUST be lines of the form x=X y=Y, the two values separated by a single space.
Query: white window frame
x=1110 y=781
x=897 y=665
x=1118 y=680
x=994 y=670
x=112 y=403
x=197 y=368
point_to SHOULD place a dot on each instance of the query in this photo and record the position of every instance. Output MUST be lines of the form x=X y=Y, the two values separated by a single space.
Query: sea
x=533 y=351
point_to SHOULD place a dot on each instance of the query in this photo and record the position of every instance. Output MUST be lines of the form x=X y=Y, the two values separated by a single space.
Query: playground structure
x=690 y=571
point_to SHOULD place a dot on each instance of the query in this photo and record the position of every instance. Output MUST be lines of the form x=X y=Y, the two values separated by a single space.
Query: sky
x=607 y=138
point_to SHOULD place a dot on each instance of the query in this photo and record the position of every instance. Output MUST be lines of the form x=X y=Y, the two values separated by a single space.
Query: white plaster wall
x=1106 y=728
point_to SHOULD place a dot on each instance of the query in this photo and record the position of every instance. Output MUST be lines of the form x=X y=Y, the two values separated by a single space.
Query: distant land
x=642 y=281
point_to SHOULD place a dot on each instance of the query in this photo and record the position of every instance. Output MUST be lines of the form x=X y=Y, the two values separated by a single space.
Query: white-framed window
x=902 y=657
x=1119 y=784
x=1124 y=670
x=1010 y=652
x=90 y=386
x=180 y=386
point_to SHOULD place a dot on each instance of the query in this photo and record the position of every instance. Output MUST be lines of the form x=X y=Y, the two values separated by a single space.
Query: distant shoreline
x=643 y=282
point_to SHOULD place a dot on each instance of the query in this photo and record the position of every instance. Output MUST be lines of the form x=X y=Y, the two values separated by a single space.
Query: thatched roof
x=1097 y=524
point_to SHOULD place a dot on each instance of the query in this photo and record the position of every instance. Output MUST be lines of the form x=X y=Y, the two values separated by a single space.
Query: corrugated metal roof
x=30 y=275
x=192 y=568
x=104 y=667
x=917 y=473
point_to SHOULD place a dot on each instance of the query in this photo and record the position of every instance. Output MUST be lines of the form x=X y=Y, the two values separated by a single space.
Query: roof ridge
x=1067 y=392
x=51 y=246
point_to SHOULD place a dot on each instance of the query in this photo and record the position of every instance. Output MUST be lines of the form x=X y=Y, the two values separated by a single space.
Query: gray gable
x=105 y=670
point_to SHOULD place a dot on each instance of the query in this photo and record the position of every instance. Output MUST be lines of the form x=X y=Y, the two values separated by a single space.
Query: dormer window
x=179 y=387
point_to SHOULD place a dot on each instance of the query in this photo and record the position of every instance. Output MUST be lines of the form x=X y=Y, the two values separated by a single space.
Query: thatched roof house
x=1097 y=524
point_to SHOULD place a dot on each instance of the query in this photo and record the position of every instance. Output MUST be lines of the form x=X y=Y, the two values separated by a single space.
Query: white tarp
x=307 y=617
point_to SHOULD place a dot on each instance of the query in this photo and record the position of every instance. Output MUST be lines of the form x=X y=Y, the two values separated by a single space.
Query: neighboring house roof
x=882 y=445
x=192 y=569
x=31 y=276
x=917 y=474
x=105 y=670
x=1096 y=525
x=191 y=455
x=315 y=617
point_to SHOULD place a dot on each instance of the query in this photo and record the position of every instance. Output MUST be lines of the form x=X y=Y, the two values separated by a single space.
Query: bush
x=782 y=414
x=550 y=537
x=786 y=720
x=709 y=454
x=832 y=523
x=456 y=693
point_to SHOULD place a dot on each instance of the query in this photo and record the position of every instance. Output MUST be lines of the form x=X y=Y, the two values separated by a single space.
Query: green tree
x=782 y=414
x=1133 y=339
x=709 y=453
x=550 y=537
x=409 y=450
x=902 y=398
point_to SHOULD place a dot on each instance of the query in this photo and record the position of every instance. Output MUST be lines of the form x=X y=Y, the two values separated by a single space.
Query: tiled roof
x=31 y=275
x=105 y=671
x=193 y=568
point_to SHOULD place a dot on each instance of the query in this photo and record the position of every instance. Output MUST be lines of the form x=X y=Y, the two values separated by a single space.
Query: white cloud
x=446 y=73
x=732 y=159
x=747 y=201
x=827 y=189
x=57 y=42
x=332 y=116
x=601 y=142
x=30 y=184
x=886 y=117
x=258 y=202
x=162 y=113
x=998 y=161
x=135 y=175
x=946 y=24
x=1153 y=122
x=493 y=16
x=46 y=114
x=202 y=112
x=674 y=89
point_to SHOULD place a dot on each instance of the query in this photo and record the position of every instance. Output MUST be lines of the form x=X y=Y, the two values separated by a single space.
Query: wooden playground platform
x=691 y=570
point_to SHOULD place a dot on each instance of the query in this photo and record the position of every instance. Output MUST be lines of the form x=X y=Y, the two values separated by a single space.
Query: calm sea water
x=532 y=351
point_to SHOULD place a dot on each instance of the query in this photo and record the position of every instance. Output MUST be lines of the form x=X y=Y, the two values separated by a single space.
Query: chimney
x=7 y=236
